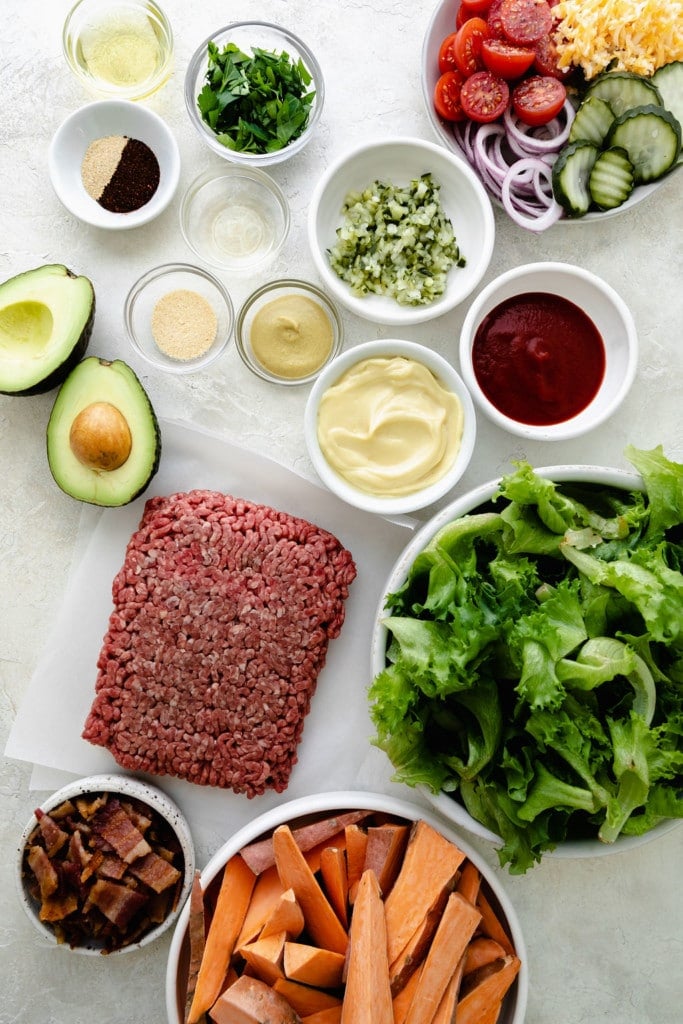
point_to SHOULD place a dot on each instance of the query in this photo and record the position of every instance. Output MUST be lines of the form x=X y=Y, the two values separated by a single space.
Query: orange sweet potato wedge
x=332 y=1015
x=197 y=933
x=482 y=1004
x=384 y=852
x=356 y=846
x=335 y=880
x=286 y=916
x=265 y=957
x=304 y=998
x=313 y=966
x=266 y=893
x=260 y=855
x=491 y=924
x=367 y=996
x=402 y=1000
x=251 y=1001
x=482 y=951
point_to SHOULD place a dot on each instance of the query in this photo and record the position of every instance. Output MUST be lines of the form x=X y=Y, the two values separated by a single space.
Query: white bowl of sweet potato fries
x=347 y=907
x=105 y=864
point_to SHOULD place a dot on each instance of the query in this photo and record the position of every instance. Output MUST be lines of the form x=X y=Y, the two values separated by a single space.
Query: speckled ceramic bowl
x=125 y=786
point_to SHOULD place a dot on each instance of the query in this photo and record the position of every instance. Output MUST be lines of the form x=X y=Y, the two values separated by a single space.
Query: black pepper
x=121 y=174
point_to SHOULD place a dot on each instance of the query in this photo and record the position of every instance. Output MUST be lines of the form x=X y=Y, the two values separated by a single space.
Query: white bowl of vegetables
x=400 y=230
x=260 y=64
x=498 y=90
x=524 y=660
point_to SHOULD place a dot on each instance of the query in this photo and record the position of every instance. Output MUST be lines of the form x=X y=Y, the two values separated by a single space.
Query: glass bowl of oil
x=121 y=50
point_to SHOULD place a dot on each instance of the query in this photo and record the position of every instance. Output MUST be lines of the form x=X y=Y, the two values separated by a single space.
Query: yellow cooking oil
x=124 y=49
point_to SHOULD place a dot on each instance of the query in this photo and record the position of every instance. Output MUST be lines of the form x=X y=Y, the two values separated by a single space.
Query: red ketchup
x=538 y=358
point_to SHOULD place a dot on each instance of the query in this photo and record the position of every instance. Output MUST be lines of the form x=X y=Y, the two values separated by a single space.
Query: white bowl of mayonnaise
x=390 y=426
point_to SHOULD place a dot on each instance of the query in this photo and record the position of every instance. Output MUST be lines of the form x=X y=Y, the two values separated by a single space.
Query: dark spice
x=121 y=174
x=134 y=181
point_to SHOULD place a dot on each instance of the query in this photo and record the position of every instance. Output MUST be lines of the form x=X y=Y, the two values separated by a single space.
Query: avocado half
x=46 y=318
x=103 y=437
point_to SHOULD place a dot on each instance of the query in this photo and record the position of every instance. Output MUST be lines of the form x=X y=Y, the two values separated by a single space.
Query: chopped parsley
x=258 y=103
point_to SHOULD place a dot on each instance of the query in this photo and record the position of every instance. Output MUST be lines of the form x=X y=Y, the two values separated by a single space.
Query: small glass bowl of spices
x=114 y=164
x=235 y=218
x=179 y=317
x=121 y=49
x=287 y=331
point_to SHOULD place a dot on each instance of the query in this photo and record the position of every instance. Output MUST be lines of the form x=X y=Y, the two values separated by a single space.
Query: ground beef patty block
x=223 y=611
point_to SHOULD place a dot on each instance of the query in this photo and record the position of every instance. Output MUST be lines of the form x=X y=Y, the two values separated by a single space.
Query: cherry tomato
x=467 y=45
x=473 y=7
x=462 y=16
x=506 y=60
x=447 y=96
x=446 y=54
x=493 y=20
x=525 y=21
x=538 y=99
x=545 y=61
x=484 y=96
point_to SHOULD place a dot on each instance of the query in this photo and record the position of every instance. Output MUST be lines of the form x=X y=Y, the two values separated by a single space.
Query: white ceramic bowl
x=127 y=786
x=601 y=303
x=447 y=376
x=398 y=161
x=443 y=802
x=90 y=36
x=235 y=218
x=270 y=292
x=151 y=288
x=441 y=24
x=247 y=35
x=98 y=120
x=308 y=808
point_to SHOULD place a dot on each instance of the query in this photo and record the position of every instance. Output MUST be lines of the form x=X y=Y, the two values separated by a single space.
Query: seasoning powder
x=121 y=174
x=184 y=324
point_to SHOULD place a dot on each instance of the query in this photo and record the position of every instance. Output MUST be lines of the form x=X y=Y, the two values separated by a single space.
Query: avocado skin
x=61 y=372
x=129 y=492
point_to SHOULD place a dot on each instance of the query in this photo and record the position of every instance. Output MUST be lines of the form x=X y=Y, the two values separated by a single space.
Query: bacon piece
x=112 y=867
x=56 y=908
x=42 y=868
x=53 y=836
x=118 y=903
x=115 y=826
x=155 y=872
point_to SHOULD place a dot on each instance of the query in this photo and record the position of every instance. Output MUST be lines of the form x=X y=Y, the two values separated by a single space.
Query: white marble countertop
x=604 y=935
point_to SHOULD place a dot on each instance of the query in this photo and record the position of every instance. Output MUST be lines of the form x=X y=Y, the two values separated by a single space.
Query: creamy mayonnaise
x=389 y=426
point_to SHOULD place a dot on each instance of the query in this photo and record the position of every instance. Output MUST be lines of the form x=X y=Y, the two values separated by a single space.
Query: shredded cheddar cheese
x=627 y=35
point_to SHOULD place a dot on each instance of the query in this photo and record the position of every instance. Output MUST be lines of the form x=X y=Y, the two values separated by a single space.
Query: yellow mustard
x=291 y=336
x=389 y=426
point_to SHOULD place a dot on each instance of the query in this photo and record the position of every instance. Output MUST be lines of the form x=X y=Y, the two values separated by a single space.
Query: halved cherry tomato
x=545 y=61
x=473 y=7
x=525 y=21
x=446 y=54
x=447 y=96
x=467 y=45
x=506 y=60
x=538 y=99
x=493 y=20
x=462 y=16
x=484 y=96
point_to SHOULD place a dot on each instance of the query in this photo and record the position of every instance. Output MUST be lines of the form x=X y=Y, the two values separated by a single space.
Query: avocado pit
x=100 y=437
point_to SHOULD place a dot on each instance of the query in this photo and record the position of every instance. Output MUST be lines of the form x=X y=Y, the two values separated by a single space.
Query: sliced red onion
x=538 y=215
x=524 y=140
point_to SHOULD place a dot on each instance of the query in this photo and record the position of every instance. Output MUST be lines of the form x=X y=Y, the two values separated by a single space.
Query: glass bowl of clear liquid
x=235 y=219
x=121 y=50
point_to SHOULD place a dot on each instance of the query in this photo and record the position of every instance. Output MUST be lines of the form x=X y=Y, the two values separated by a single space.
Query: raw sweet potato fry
x=482 y=951
x=430 y=863
x=335 y=880
x=251 y=1001
x=322 y=923
x=402 y=1000
x=367 y=996
x=267 y=891
x=469 y=882
x=305 y=999
x=231 y=906
x=356 y=845
x=313 y=856
x=313 y=966
x=332 y=1015
x=413 y=953
x=490 y=924
x=259 y=855
x=456 y=927
x=286 y=916
x=482 y=1004
x=384 y=853
x=196 y=929
x=265 y=956
x=445 y=1013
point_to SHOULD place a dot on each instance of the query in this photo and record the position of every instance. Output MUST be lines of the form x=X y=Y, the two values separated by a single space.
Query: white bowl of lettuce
x=525 y=659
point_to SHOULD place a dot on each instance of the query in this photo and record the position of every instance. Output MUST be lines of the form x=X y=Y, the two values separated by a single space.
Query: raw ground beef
x=223 y=610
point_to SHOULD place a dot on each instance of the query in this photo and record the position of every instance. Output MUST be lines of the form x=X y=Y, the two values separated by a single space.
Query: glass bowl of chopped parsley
x=254 y=92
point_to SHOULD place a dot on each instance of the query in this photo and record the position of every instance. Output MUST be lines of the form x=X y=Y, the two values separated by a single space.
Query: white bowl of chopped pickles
x=524 y=660
x=401 y=231
x=240 y=58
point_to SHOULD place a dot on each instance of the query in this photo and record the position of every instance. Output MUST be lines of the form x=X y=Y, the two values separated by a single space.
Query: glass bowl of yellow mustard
x=390 y=426
x=287 y=331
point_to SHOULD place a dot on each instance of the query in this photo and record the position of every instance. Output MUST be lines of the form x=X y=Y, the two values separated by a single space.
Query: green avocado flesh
x=46 y=317
x=103 y=438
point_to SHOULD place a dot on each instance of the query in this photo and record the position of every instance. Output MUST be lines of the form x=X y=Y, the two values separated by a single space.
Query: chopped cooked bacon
x=77 y=851
x=114 y=825
x=117 y=902
x=155 y=872
x=53 y=835
x=112 y=867
x=42 y=868
x=56 y=908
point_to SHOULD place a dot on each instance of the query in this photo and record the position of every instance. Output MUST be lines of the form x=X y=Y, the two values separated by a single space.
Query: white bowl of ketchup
x=548 y=351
